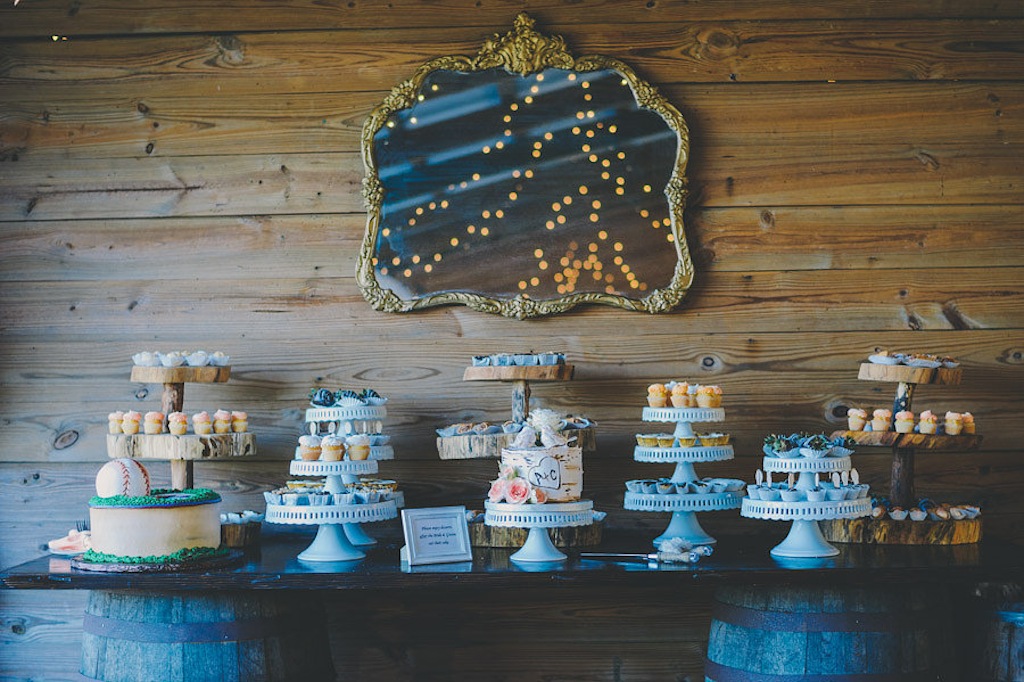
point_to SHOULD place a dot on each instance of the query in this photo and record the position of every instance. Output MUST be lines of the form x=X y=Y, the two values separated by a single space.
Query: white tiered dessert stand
x=538 y=518
x=332 y=541
x=344 y=421
x=684 y=508
x=805 y=539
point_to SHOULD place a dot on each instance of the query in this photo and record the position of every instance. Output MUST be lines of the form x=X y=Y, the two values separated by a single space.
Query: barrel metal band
x=168 y=633
x=1013 y=617
x=847 y=621
x=720 y=673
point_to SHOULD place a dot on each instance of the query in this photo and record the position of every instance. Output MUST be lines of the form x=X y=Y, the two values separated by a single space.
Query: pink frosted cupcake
x=114 y=420
x=954 y=423
x=657 y=395
x=154 y=423
x=221 y=421
x=201 y=424
x=881 y=419
x=239 y=421
x=928 y=422
x=968 y=421
x=709 y=396
x=680 y=396
x=177 y=423
x=130 y=422
x=904 y=421
x=856 y=418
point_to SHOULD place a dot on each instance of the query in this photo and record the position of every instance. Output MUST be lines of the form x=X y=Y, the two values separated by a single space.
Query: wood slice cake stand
x=181 y=451
x=904 y=447
x=490 y=445
x=539 y=518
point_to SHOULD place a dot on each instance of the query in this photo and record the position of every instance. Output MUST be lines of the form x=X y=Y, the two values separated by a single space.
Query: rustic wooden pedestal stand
x=183 y=450
x=904 y=446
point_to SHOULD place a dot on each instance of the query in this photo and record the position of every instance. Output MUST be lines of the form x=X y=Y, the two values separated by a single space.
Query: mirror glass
x=524 y=193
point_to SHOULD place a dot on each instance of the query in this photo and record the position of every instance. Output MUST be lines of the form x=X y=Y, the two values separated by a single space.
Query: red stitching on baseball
x=125 y=477
x=145 y=474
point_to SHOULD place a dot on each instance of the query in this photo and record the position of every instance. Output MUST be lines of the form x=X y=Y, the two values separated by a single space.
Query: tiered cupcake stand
x=904 y=447
x=340 y=530
x=805 y=539
x=684 y=508
x=539 y=518
x=181 y=451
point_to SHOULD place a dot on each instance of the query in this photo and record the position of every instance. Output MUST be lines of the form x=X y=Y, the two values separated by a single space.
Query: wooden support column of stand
x=171 y=400
x=901 y=488
x=520 y=400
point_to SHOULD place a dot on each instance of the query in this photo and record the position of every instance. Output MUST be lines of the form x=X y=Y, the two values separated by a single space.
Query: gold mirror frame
x=523 y=51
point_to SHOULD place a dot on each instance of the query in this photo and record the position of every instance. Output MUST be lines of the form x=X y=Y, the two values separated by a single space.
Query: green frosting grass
x=189 y=496
x=181 y=556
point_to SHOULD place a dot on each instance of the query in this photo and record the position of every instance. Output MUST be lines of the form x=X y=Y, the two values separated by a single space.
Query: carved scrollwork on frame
x=523 y=181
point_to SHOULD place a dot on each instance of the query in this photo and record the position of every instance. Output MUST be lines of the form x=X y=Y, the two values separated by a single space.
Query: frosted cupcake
x=904 y=421
x=201 y=424
x=239 y=421
x=154 y=423
x=709 y=396
x=332 y=448
x=221 y=421
x=928 y=422
x=657 y=395
x=130 y=422
x=880 y=419
x=177 y=423
x=358 y=446
x=681 y=395
x=954 y=423
x=310 y=447
x=114 y=420
x=856 y=418
x=968 y=421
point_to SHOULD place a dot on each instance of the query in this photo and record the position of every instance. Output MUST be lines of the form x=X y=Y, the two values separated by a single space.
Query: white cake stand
x=805 y=539
x=684 y=508
x=339 y=524
x=538 y=518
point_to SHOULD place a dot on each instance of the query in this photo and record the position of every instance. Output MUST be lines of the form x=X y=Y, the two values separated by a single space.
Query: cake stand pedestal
x=805 y=539
x=684 y=507
x=340 y=530
x=538 y=518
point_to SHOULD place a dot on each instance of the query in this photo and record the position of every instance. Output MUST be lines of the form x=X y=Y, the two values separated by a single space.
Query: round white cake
x=154 y=530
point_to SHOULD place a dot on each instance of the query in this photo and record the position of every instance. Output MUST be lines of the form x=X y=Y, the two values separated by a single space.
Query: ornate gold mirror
x=524 y=181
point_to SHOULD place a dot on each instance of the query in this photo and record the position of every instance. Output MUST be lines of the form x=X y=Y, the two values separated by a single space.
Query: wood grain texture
x=906 y=532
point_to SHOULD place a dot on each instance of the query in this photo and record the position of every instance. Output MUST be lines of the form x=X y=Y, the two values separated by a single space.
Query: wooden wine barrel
x=193 y=637
x=785 y=634
x=998 y=655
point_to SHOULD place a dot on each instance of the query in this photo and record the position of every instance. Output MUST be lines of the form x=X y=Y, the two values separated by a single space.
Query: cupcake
x=709 y=396
x=880 y=419
x=154 y=423
x=239 y=421
x=968 y=421
x=904 y=421
x=928 y=422
x=856 y=418
x=201 y=424
x=657 y=395
x=681 y=395
x=332 y=448
x=310 y=447
x=954 y=423
x=177 y=423
x=130 y=422
x=114 y=420
x=358 y=446
x=221 y=421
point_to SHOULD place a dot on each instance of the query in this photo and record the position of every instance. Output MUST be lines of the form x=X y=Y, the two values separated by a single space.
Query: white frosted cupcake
x=357 y=446
x=332 y=448
x=310 y=447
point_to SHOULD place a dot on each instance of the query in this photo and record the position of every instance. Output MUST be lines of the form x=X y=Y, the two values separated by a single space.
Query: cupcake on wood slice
x=130 y=423
x=239 y=421
x=114 y=420
x=968 y=422
x=154 y=423
x=904 y=421
x=201 y=424
x=856 y=418
x=177 y=423
x=881 y=419
x=954 y=423
x=928 y=422
x=221 y=421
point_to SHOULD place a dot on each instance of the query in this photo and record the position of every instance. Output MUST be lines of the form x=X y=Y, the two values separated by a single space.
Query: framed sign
x=435 y=535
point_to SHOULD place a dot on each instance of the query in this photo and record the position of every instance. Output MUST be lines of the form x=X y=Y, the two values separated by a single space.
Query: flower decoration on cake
x=513 y=487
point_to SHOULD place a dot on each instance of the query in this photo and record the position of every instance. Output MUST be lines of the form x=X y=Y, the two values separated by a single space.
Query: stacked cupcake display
x=683 y=494
x=817 y=484
x=343 y=447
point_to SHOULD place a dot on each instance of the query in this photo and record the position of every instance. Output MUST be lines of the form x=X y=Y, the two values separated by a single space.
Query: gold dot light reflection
x=496 y=190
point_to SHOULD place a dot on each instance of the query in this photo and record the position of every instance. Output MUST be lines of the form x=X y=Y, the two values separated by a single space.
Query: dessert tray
x=538 y=518
x=684 y=494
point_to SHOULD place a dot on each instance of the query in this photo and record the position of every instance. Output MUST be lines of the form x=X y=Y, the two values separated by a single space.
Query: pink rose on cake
x=538 y=496
x=518 y=491
x=498 y=488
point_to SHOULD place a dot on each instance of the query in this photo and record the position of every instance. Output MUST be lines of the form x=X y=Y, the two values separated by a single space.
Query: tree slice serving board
x=520 y=373
x=870 y=371
x=180 y=375
x=187 y=447
x=918 y=441
x=906 y=532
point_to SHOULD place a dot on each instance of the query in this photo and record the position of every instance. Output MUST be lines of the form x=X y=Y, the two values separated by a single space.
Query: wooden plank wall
x=187 y=175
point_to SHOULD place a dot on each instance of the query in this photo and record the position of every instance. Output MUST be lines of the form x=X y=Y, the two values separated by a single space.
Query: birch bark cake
x=540 y=465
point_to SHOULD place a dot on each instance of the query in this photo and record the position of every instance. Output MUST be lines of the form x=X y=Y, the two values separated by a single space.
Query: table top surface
x=273 y=565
